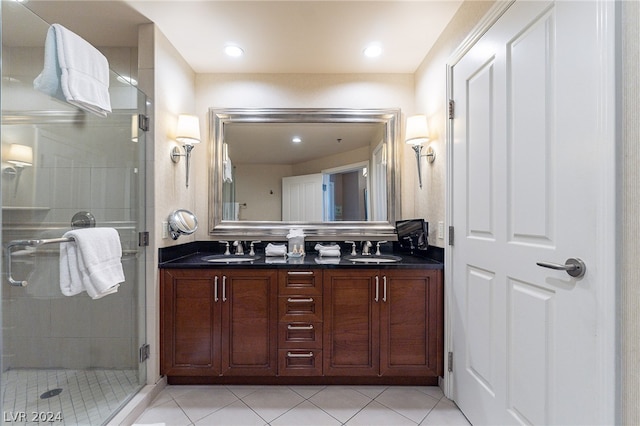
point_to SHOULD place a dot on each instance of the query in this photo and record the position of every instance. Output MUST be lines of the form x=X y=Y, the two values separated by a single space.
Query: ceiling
x=277 y=36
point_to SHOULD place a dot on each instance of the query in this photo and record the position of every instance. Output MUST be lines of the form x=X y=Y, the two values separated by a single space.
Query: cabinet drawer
x=302 y=335
x=300 y=282
x=300 y=308
x=300 y=362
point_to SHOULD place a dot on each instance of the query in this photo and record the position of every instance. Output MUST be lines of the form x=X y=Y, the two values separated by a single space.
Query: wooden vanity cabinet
x=385 y=322
x=300 y=322
x=189 y=323
x=218 y=322
x=308 y=326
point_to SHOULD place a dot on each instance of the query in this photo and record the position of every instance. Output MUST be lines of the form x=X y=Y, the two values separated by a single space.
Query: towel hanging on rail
x=74 y=71
x=92 y=263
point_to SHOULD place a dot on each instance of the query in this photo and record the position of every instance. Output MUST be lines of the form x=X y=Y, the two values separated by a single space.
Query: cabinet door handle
x=377 y=288
x=300 y=327
x=307 y=300
x=384 y=288
x=215 y=289
x=224 y=288
x=300 y=273
x=292 y=355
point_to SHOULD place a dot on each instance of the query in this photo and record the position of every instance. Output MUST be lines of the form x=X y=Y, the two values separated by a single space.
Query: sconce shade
x=417 y=131
x=188 y=131
x=20 y=155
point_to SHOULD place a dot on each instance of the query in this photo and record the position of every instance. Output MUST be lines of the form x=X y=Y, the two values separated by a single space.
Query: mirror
x=182 y=222
x=338 y=181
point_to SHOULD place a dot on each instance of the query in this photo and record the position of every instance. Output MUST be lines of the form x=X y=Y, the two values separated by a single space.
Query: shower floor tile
x=69 y=397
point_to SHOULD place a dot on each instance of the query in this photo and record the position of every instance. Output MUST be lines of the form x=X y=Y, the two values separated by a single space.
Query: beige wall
x=431 y=99
x=169 y=83
x=630 y=210
x=259 y=186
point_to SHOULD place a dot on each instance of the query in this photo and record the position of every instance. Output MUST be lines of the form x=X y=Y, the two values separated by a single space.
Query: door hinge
x=452 y=108
x=143 y=239
x=451 y=235
x=450 y=362
x=144 y=352
x=143 y=122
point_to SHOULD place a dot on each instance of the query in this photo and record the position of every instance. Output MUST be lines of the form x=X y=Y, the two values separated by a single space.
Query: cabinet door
x=249 y=322
x=189 y=323
x=351 y=323
x=411 y=330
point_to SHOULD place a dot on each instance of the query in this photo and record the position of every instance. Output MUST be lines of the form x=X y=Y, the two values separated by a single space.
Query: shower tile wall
x=75 y=168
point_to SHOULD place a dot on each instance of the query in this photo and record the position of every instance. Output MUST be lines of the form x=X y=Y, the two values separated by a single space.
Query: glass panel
x=71 y=355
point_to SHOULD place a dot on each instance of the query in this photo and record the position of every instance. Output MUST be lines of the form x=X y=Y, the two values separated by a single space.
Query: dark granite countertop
x=190 y=256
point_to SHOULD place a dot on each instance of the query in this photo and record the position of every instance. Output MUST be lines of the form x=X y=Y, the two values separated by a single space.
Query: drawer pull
x=307 y=300
x=292 y=355
x=300 y=273
x=300 y=327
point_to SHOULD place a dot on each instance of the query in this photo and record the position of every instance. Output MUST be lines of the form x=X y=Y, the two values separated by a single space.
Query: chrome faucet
x=353 y=247
x=226 y=247
x=366 y=248
x=252 y=252
x=239 y=248
x=378 y=247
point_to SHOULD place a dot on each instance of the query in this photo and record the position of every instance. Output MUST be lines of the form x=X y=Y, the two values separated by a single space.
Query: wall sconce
x=188 y=133
x=19 y=156
x=416 y=134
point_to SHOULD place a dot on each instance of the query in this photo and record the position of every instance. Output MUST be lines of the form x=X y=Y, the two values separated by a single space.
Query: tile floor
x=302 y=406
x=80 y=397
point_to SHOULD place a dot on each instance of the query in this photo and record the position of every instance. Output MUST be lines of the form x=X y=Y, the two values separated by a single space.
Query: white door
x=533 y=180
x=302 y=198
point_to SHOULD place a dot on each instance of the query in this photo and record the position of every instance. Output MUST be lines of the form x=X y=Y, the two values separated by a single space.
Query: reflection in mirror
x=323 y=169
x=182 y=222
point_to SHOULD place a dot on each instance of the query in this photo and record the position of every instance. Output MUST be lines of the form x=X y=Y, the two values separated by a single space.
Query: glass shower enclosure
x=66 y=359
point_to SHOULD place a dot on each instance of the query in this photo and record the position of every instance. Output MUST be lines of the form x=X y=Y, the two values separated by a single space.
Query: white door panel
x=527 y=186
x=302 y=198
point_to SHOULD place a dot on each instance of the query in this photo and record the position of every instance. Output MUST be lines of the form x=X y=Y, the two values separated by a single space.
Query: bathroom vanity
x=301 y=321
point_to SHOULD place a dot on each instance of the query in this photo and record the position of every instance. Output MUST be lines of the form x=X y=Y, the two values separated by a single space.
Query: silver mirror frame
x=338 y=230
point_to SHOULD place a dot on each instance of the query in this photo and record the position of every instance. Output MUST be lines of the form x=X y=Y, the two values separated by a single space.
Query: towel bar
x=27 y=243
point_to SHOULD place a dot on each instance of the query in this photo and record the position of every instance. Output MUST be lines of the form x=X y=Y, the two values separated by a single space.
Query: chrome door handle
x=377 y=288
x=300 y=327
x=300 y=273
x=215 y=289
x=224 y=288
x=384 y=286
x=294 y=355
x=307 y=300
x=573 y=266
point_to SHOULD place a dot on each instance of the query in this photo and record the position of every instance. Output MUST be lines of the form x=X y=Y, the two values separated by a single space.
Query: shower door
x=67 y=359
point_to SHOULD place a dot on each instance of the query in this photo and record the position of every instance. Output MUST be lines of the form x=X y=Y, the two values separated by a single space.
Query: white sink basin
x=221 y=258
x=384 y=258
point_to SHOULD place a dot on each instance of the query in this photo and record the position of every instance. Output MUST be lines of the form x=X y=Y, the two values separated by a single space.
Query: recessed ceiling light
x=373 y=51
x=296 y=139
x=233 y=51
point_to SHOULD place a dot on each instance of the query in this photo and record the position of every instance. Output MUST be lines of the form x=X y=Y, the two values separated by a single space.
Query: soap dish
x=295 y=255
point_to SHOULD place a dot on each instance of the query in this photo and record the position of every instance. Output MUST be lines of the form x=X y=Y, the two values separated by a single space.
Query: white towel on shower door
x=91 y=263
x=74 y=71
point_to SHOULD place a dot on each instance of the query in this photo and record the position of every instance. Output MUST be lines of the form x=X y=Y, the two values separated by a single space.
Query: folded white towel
x=275 y=250
x=91 y=262
x=74 y=71
x=328 y=251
